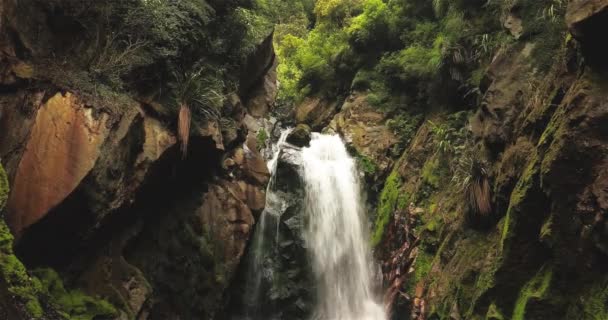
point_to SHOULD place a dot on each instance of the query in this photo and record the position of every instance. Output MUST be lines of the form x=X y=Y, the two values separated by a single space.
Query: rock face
x=101 y=194
x=66 y=137
x=262 y=97
x=315 y=112
x=586 y=19
x=364 y=129
x=280 y=287
x=539 y=253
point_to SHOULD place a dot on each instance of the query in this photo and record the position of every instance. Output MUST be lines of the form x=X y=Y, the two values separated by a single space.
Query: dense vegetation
x=152 y=49
x=408 y=53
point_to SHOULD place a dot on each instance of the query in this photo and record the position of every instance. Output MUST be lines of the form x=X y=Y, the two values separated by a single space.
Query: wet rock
x=300 y=136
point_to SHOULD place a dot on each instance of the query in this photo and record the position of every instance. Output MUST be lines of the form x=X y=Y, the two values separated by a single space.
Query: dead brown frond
x=183 y=128
x=471 y=176
x=479 y=197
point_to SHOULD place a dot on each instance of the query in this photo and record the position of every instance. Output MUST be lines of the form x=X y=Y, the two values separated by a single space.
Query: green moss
x=390 y=200
x=536 y=288
x=523 y=187
x=591 y=304
x=431 y=172
x=3 y=188
x=422 y=267
x=494 y=313
x=546 y=231
x=73 y=304
x=14 y=275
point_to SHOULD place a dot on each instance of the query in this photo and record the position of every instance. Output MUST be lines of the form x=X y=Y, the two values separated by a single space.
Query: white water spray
x=337 y=234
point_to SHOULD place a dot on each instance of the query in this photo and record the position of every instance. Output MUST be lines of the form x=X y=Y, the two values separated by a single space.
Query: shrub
x=261 y=137
x=370 y=30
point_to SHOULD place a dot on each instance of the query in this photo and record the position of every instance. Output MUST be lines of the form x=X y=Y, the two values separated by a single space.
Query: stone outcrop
x=300 y=136
x=97 y=180
x=539 y=253
x=65 y=138
x=364 y=129
x=262 y=97
x=315 y=112
x=586 y=20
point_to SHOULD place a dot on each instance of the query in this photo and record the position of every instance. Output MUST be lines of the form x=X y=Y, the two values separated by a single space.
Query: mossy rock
x=390 y=200
x=536 y=288
x=73 y=304
x=4 y=189
x=14 y=276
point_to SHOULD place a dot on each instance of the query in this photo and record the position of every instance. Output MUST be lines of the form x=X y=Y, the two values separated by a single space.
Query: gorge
x=303 y=160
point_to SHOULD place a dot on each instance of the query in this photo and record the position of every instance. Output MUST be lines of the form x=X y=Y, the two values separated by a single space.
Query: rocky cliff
x=110 y=220
x=480 y=129
x=496 y=210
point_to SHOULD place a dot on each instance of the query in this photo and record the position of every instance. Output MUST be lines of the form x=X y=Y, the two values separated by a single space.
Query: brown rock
x=62 y=148
x=227 y=220
x=364 y=128
x=157 y=140
x=315 y=112
x=264 y=94
x=580 y=11
x=254 y=166
x=300 y=136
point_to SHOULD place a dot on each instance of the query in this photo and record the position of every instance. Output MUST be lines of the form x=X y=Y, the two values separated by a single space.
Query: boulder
x=300 y=136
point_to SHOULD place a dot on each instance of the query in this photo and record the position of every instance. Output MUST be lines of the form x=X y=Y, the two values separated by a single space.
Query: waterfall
x=263 y=243
x=310 y=256
x=337 y=233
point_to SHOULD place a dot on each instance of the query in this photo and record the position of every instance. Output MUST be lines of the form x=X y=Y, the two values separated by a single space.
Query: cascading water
x=310 y=257
x=337 y=234
x=263 y=243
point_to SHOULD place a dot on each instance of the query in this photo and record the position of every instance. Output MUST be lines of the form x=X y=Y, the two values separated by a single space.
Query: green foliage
x=452 y=135
x=413 y=63
x=152 y=47
x=72 y=304
x=335 y=10
x=201 y=91
x=261 y=137
x=431 y=172
x=368 y=165
x=370 y=29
